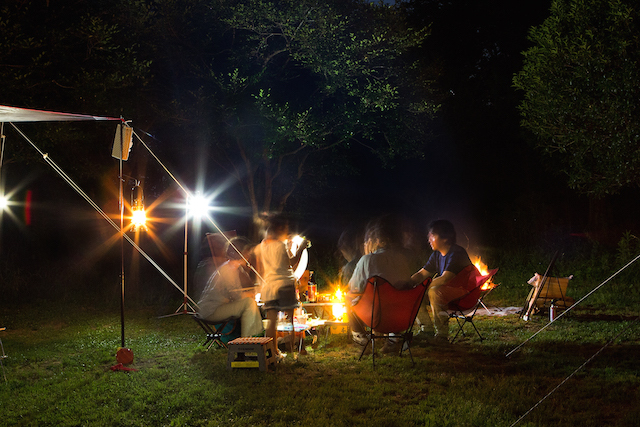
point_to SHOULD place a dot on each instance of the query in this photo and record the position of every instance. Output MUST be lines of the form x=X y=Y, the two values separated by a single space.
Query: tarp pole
x=121 y=201
x=47 y=159
x=185 y=256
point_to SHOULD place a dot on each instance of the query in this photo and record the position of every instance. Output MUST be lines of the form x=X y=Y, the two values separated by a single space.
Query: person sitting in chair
x=447 y=260
x=350 y=245
x=223 y=296
x=384 y=257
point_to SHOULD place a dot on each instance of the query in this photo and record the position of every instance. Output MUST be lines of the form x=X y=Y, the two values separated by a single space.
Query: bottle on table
x=312 y=288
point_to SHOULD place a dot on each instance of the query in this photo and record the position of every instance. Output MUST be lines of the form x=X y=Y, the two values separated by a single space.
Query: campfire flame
x=484 y=270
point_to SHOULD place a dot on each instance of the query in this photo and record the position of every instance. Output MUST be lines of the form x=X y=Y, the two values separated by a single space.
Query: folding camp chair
x=219 y=332
x=464 y=308
x=385 y=310
x=547 y=291
x=218 y=244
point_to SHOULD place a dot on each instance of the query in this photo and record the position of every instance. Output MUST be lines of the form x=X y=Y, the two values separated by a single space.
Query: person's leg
x=439 y=297
x=423 y=319
x=358 y=332
x=251 y=319
x=245 y=309
x=292 y=336
x=287 y=301
x=272 y=324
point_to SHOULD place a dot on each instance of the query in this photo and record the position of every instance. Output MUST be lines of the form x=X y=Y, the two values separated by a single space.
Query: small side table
x=251 y=352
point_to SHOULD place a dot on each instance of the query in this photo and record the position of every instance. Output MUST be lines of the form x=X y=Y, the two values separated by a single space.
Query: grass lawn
x=58 y=374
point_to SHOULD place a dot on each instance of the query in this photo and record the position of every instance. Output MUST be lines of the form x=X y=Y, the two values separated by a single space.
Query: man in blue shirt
x=447 y=260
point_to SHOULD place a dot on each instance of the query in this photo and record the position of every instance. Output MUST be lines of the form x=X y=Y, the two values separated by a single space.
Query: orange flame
x=481 y=266
x=484 y=270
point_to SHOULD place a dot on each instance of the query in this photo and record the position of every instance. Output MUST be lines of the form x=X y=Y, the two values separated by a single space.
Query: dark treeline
x=333 y=111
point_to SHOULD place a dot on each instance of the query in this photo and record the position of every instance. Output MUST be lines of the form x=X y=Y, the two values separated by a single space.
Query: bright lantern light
x=296 y=241
x=139 y=219
x=339 y=311
x=4 y=202
x=198 y=205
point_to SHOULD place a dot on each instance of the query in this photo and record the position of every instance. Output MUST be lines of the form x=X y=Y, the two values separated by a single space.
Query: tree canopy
x=581 y=92
x=77 y=58
x=275 y=93
x=291 y=87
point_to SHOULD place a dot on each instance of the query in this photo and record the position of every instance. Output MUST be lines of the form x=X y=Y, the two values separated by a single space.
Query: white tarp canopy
x=14 y=115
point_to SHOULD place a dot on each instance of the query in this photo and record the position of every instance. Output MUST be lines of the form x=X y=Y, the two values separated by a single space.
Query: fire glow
x=484 y=270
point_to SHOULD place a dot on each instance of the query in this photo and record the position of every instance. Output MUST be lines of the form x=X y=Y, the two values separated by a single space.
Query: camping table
x=300 y=329
x=330 y=324
x=321 y=310
x=324 y=311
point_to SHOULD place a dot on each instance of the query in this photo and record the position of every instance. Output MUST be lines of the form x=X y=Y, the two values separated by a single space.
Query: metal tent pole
x=121 y=201
x=185 y=307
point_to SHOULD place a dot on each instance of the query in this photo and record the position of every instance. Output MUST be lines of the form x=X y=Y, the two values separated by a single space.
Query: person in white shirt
x=278 y=290
x=225 y=293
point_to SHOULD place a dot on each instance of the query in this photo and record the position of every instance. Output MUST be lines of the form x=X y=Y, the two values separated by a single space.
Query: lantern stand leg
x=185 y=307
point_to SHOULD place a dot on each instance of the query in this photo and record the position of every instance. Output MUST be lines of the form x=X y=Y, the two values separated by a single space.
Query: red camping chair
x=471 y=280
x=387 y=310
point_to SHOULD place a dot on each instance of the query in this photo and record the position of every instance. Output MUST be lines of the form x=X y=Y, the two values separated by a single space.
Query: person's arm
x=358 y=279
x=420 y=276
x=441 y=280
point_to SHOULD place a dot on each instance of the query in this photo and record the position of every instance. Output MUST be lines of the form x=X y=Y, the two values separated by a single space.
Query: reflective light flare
x=151 y=223
x=7 y=201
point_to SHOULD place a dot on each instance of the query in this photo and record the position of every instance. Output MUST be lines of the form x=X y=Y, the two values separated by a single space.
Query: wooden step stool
x=253 y=352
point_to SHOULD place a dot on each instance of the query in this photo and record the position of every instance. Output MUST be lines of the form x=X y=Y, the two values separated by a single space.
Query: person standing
x=278 y=290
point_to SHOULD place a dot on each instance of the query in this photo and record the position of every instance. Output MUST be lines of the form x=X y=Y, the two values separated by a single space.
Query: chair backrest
x=553 y=287
x=217 y=245
x=471 y=280
x=387 y=309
